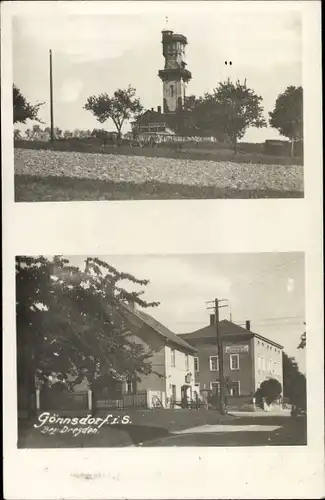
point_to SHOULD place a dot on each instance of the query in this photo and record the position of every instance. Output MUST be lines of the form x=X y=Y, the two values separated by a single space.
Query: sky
x=93 y=54
x=266 y=288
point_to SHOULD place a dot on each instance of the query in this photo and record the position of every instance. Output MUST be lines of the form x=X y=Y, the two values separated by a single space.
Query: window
x=186 y=362
x=214 y=363
x=198 y=386
x=172 y=90
x=235 y=389
x=258 y=362
x=172 y=353
x=196 y=364
x=215 y=387
x=234 y=362
x=131 y=387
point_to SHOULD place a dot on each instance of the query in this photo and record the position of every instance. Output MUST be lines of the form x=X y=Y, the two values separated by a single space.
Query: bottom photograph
x=161 y=350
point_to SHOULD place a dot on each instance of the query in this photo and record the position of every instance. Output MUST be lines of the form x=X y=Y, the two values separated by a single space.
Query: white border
x=169 y=227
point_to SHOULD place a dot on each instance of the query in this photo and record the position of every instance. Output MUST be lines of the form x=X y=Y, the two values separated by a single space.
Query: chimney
x=212 y=319
x=159 y=109
x=152 y=109
x=248 y=325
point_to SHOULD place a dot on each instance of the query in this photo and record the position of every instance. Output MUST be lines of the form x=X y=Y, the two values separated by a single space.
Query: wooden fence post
x=90 y=400
x=37 y=399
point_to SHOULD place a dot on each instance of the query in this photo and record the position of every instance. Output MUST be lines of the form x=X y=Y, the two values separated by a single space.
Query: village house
x=172 y=378
x=248 y=358
x=170 y=383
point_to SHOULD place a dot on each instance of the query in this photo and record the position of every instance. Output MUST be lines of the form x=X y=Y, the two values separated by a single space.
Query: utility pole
x=220 y=357
x=51 y=98
x=216 y=306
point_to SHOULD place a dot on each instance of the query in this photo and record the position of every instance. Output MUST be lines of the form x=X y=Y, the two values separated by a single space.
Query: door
x=173 y=393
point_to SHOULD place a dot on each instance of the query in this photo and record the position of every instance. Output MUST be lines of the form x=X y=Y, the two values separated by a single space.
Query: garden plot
x=138 y=169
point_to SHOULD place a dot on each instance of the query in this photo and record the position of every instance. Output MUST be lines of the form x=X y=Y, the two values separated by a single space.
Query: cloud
x=70 y=91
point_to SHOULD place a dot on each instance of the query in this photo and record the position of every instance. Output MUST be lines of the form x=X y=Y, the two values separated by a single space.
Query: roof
x=151 y=116
x=159 y=328
x=226 y=328
x=164 y=331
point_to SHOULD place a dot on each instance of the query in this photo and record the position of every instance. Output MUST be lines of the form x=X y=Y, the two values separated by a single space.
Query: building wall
x=151 y=341
x=176 y=375
x=175 y=55
x=245 y=356
x=244 y=374
x=164 y=375
x=268 y=362
x=173 y=94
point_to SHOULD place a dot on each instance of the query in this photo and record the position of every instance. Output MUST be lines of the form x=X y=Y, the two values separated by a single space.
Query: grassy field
x=45 y=175
x=36 y=188
x=188 y=151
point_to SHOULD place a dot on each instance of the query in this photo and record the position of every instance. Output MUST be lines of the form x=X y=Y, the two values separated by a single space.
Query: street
x=246 y=430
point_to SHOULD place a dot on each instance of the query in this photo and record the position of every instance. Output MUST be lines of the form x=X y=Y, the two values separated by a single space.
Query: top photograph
x=186 y=104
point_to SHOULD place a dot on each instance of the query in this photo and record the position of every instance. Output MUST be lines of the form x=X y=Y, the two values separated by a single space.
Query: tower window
x=172 y=90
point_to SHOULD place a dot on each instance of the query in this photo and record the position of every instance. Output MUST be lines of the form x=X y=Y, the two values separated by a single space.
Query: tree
x=104 y=136
x=302 y=343
x=122 y=106
x=270 y=389
x=67 y=134
x=201 y=116
x=22 y=109
x=287 y=116
x=229 y=111
x=74 y=323
x=37 y=129
x=17 y=134
x=58 y=132
x=294 y=382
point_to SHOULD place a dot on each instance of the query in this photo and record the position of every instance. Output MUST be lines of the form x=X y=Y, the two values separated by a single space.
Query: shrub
x=270 y=389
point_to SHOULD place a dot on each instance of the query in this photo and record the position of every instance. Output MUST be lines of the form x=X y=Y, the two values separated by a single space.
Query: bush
x=270 y=389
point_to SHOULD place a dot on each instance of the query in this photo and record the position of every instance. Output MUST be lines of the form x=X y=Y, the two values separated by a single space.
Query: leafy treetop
x=74 y=323
x=228 y=111
x=22 y=109
x=120 y=107
x=287 y=116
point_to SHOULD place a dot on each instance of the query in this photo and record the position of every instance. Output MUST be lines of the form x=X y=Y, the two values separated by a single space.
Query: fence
x=137 y=400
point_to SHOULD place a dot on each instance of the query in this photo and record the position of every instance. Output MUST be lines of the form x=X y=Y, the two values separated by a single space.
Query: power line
x=283 y=325
x=243 y=322
x=271 y=270
x=270 y=319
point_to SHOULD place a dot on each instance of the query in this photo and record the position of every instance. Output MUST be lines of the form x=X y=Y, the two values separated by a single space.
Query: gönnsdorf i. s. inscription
x=54 y=424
